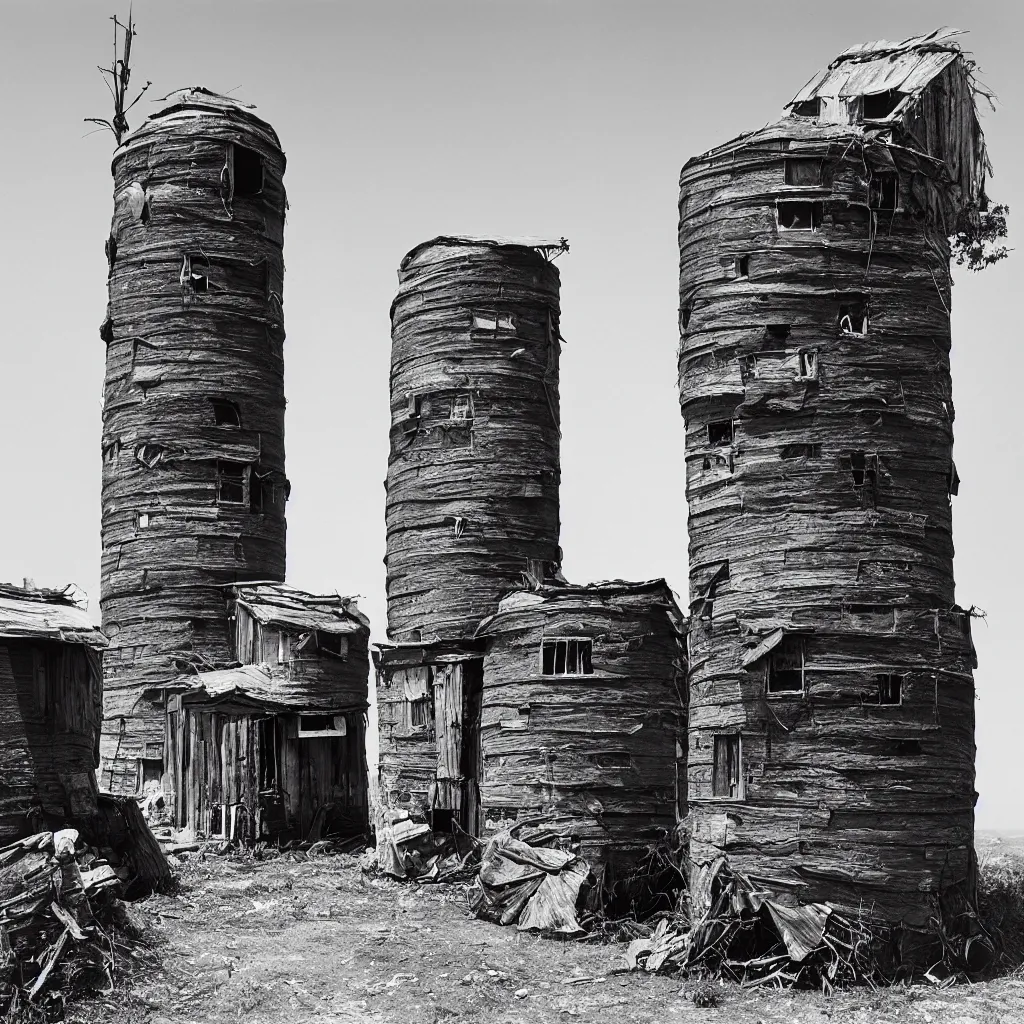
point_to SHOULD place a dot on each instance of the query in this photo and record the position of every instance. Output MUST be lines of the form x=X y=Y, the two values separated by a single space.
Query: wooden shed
x=51 y=709
x=275 y=747
x=584 y=713
x=831 y=697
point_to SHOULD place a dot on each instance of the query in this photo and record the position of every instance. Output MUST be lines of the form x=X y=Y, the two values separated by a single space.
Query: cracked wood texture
x=473 y=474
x=815 y=385
x=600 y=750
x=194 y=486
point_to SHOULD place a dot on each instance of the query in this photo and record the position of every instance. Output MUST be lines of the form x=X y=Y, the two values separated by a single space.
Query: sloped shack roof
x=27 y=613
x=277 y=604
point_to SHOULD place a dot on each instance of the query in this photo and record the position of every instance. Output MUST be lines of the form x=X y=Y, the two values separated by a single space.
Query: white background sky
x=404 y=120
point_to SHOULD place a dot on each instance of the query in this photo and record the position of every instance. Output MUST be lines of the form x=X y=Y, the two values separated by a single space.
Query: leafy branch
x=976 y=243
x=116 y=80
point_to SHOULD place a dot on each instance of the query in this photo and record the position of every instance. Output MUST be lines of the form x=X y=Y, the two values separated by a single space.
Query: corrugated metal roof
x=283 y=605
x=46 y=615
x=870 y=68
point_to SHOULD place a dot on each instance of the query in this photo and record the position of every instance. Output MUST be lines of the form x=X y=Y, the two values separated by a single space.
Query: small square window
x=743 y=267
x=807 y=368
x=807 y=108
x=878 y=106
x=853 y=317
x=890 y=689
x=727 y=772
x=785 y=668
x=143 y=520
x=231 y=482
x=720 y=434
x=864 y=468
x=567 y=657
x=803 y=172
x=778 y=332
x=225 y=413
x=800 y=216
x=332 y=643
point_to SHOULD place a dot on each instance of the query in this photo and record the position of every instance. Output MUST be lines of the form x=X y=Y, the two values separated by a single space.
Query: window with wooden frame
x=421 y=713
x=879 y=105
x=316 y=726
x=720 y=434
x=807 y=364
x=232 y=482
x=490 y=320
x=803 y=171
x=890 y=688
x=742 y=268
x=807 y=108
x=796 y=215
x=567 y=656
x=853 y=316
x=727 y=769
x=784 y=669
x=332 y=643
x=225 y=413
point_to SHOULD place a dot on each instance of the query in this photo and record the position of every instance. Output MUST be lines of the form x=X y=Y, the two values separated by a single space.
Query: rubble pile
x=58 y=905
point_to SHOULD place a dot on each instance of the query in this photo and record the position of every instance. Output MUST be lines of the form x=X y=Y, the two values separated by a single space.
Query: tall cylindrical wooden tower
x=472 y=486
x=831 y=690
x=194 y=483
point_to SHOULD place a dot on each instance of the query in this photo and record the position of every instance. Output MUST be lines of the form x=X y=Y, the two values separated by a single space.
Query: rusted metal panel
x=831 y=697
x=193 y=421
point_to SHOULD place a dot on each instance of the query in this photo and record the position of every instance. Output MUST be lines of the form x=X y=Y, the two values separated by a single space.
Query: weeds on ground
x=1001 y=907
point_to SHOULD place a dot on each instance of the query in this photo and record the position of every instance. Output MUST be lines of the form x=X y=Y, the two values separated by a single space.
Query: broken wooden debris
x=57 y=905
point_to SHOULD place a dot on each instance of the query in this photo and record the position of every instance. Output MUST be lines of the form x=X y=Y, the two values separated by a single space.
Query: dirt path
x=280 y=940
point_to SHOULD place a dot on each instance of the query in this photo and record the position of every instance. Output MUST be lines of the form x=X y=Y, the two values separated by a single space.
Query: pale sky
x=405 y=120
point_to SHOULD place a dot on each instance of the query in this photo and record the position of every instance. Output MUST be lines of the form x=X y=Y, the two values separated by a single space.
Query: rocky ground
x=314 y=939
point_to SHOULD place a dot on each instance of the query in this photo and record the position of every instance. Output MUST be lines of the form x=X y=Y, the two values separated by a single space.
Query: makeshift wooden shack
x=428 y=714
x=831 y=695
x=584 y=714
x=275 y=747
x=194 y=483
x=51 y=707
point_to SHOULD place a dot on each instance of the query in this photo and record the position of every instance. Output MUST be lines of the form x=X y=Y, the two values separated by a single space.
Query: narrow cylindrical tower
x=472 y=486
x=194 y=485
x=831 y=690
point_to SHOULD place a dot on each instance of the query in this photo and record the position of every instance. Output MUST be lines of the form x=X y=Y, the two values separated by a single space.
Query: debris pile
x=409 y=849
x=57 y=908
x=747 y=936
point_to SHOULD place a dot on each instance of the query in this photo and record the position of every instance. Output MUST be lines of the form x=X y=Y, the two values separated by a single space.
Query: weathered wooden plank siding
x=819 y=478
x=599 y=748
x=194 y=317
x=473 y=474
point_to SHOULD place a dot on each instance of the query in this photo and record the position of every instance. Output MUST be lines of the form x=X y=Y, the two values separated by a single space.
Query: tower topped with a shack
x=831 y=690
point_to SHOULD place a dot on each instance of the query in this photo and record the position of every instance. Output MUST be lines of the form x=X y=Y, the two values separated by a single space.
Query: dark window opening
x=225 y=413
x=880 y=105
x=743 y=266
x=216 y=820
x=800 y=216
x=152 y=769
x=803 y=172
x=685 y=312
x=231 y=482
x=146 y=213
x=864 y=468
x=261 y=494
x=908 y=746
x=778 y=332
x=853 y=317
x=726 y=779
x=419 y=713
x=890 y=689
x=566 y=657
x=883 y=191
x=800 y=451
x=268 y=753
x=442 y=820
x=316 y=723
x=807 y=108
x=248 y=167
x=720 y=434
x=332 y=643
x=786 y=667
